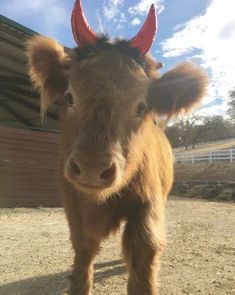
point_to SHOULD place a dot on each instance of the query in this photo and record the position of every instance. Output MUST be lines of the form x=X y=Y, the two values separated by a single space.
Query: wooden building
x=28 y=149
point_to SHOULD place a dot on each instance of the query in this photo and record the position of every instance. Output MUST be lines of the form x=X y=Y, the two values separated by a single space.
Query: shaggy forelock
x=107 y=77
x=103 y=44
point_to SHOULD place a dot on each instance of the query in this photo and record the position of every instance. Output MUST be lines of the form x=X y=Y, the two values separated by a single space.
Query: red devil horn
x=144 y=39
x=82 y=32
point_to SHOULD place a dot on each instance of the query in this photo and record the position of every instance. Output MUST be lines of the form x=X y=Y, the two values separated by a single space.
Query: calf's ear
x=47 y=68
x=178 y=90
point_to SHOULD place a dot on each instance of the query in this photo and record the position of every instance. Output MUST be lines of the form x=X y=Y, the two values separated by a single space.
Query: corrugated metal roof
x=19 y=102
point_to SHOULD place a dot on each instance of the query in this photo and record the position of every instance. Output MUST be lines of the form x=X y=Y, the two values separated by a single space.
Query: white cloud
x=51 y=15
x=209 y=38
x=111 y=8
x=215 y=110
x=143 y=6
x=136 y=21
x=120 y=22
x=117 y=2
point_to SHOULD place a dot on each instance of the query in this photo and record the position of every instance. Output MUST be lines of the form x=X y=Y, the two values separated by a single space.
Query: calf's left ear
x=178 y=90
x=48 y=62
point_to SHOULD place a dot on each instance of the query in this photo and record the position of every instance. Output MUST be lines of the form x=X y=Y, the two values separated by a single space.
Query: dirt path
x=35 y=252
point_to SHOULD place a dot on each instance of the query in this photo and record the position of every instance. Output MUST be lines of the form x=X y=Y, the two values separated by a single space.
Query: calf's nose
x=109 y=174
x=93 y=174
x=75 y=167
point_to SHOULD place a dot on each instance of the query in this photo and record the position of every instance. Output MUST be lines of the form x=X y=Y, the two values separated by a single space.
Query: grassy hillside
x=208 y=147
x=214 y=172
x=215 y=181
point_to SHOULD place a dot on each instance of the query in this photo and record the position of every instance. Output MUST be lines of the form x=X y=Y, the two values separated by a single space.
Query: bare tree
x=231 y=105
x=202 y=129
x=187 y=127
x=199 y=128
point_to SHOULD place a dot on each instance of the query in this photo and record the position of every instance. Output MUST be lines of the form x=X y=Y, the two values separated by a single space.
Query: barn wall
x=29 y=168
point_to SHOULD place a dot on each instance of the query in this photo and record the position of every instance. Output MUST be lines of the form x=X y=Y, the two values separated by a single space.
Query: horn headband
x=83 y=33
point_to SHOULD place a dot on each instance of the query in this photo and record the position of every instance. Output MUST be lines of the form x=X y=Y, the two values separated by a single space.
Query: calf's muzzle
x=89 y=173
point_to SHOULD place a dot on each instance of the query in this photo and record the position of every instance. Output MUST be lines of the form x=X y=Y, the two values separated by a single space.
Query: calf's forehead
x=108 y=75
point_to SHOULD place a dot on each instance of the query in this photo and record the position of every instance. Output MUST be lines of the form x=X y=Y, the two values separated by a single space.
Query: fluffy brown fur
x=48 y=61
x=117 y=164
x=189 y=85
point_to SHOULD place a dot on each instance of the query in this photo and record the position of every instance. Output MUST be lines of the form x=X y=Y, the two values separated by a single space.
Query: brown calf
x=117 y=164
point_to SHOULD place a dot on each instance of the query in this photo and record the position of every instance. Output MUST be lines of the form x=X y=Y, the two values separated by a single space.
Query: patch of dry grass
x=214 y=172
x=208 y=147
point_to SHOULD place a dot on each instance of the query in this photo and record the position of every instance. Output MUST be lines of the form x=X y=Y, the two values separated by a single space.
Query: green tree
x=188 y=132
x=216 y=127
x=182 y=132
x=231 y=105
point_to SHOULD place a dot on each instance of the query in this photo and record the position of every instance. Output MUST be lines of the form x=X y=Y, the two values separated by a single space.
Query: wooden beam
x=6 y=71
x=15 y=115
x=12 y=58
x=12 y=43
x=21 y=91
x=14 y=80
x=27 y=104
x=12 y=64
x=20 y=29
x=3 y=100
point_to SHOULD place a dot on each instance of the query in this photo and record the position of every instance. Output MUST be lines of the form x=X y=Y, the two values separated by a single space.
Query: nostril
x=75 y=168
x=109 y=173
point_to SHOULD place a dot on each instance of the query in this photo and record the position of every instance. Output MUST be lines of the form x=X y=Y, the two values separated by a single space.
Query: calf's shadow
x=54 y=284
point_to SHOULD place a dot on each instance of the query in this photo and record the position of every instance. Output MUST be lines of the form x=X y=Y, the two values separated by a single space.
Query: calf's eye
x=141 y=109
x=68 y=99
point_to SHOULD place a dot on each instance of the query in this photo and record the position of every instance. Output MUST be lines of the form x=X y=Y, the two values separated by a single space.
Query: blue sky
x=202 y=31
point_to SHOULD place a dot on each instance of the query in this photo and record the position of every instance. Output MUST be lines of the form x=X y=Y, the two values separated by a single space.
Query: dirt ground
x=35 y=252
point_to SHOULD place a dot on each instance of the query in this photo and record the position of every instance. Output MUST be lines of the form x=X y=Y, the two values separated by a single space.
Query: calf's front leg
x=85 y=248
x=82 y=276
x=143 y=242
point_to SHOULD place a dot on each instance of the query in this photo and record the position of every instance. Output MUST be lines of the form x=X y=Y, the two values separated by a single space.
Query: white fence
x=213 y=156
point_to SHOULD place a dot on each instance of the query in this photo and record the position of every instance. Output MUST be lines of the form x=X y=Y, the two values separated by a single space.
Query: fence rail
x=213 y=156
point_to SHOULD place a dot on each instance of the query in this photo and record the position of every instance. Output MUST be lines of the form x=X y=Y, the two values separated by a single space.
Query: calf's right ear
x=47 y=68
x=178 y=90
